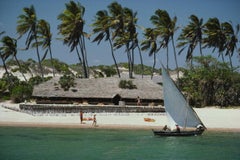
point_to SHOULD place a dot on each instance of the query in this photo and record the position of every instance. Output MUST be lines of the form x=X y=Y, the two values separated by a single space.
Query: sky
x=224 y=10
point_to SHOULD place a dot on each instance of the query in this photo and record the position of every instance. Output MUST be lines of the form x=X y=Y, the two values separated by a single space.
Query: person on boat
x=199 y=128
x=177 y=128
x=94 y=121
x=165 y=128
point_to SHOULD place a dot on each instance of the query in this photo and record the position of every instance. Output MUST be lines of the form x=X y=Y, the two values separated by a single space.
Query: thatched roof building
x=101 y=90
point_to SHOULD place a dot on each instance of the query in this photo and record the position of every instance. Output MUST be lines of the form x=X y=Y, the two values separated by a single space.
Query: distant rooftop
x=100 y=88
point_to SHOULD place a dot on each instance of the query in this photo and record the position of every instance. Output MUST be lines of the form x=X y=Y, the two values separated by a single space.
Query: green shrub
x=21 y=92
x=37 y=80
x=109 y=71
x=210 y=82
x=127 y=84
x=3 y=86
x=4 y=93
x=66 y=81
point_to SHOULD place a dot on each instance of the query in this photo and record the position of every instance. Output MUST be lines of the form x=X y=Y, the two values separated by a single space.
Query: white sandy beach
x=213 y=118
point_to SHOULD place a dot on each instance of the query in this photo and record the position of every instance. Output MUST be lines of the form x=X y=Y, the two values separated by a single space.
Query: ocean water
x=101 y=144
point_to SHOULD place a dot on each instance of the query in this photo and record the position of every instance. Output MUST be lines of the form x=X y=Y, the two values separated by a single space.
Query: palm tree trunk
x=167 y=58
x=114 y=59
x=200 y=48
x=132 y=61
x=85 y=55
x=223 y=60
x=230 y=60
x=175 y=57
x=129 y=63
x=39 y=59
x=141 y=59
x=20 y=68
x=79 y=58
x=154 y=63
x=83 y=59
x=5 y=66
x=51 y=57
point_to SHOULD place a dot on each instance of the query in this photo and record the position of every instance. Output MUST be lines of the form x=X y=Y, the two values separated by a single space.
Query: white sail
x=171 y=122
x=176 y=105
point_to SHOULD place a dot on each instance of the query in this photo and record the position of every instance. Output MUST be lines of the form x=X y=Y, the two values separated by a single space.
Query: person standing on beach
x=138 y=101
x=81 y=117
x=94 y=121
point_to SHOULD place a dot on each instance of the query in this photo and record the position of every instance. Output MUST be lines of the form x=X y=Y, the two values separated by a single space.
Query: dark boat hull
x=175 y=133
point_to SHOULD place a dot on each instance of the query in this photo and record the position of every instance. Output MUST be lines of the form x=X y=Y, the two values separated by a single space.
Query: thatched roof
x=99 y=88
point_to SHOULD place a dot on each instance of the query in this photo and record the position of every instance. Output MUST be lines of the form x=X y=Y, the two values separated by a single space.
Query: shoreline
x=215 y=119
x=103 y=126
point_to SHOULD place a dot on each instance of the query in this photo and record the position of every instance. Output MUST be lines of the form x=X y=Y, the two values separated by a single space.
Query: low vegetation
x=206 y=82
x=210 y=82
x=103 y=71
x=21 y=92
x=59 y=67
x=66 y=81
x=12 y=88
x=127 y=84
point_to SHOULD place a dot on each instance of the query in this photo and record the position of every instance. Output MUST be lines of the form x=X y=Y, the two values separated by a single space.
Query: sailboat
x=178 y=111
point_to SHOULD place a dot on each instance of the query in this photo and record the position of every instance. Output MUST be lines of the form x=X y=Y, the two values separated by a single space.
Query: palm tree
x=167 y=28
x=71 y=28
x=215 y=36
x=131 y=29
x=191 y=36
x=121 y=41
x=124 y=32
x=27 y=23
x=126 y=38
x=9 y=48
x=102 y=26
x=150 y=43
x=4 y=58
x=231 y=39
x=172 y=30
x=140 y=55
x=238 y=51
x=117 y=19
x=119 y=34
x=45 y=37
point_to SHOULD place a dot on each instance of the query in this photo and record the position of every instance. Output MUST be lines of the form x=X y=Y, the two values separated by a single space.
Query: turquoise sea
x=101 y=144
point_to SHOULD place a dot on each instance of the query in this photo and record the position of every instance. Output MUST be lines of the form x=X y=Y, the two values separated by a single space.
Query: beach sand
x=212 y=117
